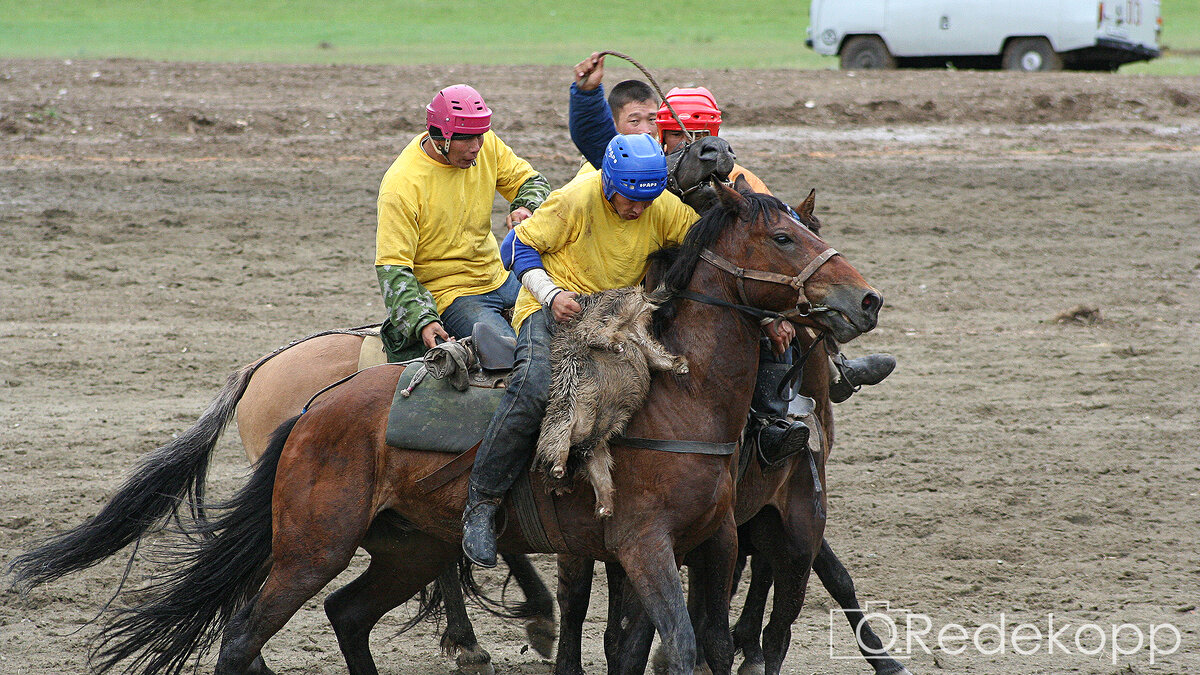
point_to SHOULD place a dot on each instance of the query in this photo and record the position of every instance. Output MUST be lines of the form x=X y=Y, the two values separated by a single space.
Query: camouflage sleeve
x=409 y=306
x=531 y=194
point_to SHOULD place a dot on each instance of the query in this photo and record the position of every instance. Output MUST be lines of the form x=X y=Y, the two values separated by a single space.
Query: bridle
x=803 y=307
x=673 y=174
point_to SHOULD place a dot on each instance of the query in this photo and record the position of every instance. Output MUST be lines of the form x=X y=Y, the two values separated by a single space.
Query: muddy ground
x=161 y=224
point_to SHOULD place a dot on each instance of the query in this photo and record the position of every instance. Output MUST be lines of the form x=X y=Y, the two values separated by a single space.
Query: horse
x=780 y=518
x=270 y=390
x=328 y=483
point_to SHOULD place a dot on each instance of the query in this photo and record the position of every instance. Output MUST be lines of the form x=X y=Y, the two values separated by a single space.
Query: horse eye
x=782 y=239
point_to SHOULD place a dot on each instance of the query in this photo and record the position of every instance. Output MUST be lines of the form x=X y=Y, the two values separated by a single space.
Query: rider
x=590 y=235
x=697 y=109
x=435 y=256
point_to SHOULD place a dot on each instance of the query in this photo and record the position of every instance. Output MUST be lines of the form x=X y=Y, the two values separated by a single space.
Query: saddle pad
x=437 y=417
x=371 y=353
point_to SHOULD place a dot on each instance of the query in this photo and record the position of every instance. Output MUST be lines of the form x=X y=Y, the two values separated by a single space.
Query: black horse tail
x=151 y=494
x=218 y=566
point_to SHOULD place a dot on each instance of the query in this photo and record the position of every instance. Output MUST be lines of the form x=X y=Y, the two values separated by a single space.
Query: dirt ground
x=161 y=224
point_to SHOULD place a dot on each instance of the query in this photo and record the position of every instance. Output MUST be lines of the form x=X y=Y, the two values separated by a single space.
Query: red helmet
x=457 y=110
x=696 y=108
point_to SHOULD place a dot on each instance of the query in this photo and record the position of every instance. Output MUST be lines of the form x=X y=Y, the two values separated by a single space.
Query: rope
x=690 y=136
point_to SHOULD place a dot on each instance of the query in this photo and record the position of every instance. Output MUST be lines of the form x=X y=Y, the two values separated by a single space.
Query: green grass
x=666 y=33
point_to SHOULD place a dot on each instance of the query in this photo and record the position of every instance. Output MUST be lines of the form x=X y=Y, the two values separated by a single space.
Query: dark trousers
x=512 y=434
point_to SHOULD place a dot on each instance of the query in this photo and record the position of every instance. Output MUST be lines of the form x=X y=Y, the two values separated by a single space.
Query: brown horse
x=274 y=388
x=781 y=518
x=328 y=483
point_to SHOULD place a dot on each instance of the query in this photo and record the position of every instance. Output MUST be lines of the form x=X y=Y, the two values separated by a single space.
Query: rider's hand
x=781 y=332
x=563 y=306
x=518 y=214
x=589 y=72
x=431 y=332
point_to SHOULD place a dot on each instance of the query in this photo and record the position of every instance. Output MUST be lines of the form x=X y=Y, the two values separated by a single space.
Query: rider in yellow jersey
x=593 y=234
x=435 y=255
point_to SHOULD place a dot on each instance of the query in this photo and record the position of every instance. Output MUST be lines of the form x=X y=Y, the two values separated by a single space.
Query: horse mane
x=671 y=268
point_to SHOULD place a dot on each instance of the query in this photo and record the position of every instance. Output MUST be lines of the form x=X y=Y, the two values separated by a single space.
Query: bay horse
x=328 y=482
x=270 y=390
x=780 y=519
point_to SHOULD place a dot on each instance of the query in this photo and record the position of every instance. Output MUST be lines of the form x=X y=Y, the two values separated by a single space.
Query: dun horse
x=328 y=483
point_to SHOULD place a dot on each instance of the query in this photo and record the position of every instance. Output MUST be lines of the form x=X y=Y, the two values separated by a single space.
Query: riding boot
x=852 y=374
x=778 y=436
x=479 y=528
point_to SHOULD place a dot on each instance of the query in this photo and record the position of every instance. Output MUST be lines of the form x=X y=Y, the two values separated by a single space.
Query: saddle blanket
x=436 y=417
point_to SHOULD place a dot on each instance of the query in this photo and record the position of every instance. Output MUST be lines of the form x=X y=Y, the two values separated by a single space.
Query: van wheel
x=866 y=52
x=1031 y=54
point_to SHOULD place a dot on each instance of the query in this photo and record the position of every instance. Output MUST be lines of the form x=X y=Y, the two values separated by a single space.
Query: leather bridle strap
x=741 y=273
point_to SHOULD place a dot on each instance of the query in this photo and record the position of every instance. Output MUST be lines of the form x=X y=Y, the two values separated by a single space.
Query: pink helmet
x=457 y=110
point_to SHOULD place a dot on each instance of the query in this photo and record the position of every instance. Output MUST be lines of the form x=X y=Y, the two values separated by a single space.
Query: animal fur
x=601 y=362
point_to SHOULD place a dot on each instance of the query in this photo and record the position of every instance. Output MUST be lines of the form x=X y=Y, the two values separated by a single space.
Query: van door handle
x=945 y=23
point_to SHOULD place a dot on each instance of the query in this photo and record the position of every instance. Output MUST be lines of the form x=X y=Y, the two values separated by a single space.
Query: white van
x=1010 y=34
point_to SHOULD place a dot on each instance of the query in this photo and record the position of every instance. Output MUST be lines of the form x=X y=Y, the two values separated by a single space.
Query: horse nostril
x=871 y=302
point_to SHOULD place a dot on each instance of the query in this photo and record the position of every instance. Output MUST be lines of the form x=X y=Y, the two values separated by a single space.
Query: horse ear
x=805 y=209
x=729 y=197
x=741 y=184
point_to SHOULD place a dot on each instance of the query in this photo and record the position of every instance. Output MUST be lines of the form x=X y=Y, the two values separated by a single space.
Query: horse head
x=691 y=166
x=775 y=263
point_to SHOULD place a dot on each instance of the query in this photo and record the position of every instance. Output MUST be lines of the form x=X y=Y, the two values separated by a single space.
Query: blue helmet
x=634 y=166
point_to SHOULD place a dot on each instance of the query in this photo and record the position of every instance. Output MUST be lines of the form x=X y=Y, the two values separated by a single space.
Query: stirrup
x=780 y=439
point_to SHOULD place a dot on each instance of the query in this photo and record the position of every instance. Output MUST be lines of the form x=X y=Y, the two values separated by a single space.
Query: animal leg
x=791 y=544
x=658 y=358
x=712 y=573
x=840 y=585
x=599 y=467
x=650 y=569
x=554 y=441
x=459 y=638
x=398 y=570
x=748 y=630
x=629 y=633
x=538 y=607
x=574 y=593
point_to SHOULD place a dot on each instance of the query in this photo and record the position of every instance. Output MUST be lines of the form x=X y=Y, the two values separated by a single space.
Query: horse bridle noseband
x=803 y=306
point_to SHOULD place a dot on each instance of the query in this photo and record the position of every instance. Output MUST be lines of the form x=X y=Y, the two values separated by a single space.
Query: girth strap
x=449 y=471
x=683 y=447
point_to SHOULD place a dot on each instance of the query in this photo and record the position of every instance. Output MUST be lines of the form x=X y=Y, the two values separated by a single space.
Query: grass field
x=668 y=33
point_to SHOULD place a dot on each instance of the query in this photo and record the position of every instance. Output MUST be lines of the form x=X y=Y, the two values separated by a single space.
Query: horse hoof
x=900 y=670
x=475 y=662
x=748 y=668
x=541 y=633
x=604 y=512
x=682 y=369
x=558 y=471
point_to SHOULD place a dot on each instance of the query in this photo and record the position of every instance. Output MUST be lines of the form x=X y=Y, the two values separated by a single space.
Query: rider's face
x=637 y=117
x=627 y=208
x=671 y=139
x=463 y=150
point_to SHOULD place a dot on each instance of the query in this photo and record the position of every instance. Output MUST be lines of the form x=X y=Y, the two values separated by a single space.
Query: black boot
x=778 y=437
x=479 y=534
x=855 y=373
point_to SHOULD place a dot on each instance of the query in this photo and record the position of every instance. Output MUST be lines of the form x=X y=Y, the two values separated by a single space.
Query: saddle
x=445 y=400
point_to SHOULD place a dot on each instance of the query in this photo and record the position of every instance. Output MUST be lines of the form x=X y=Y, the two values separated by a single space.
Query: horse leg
x=320 y=513
x=712 y=577
x=792 y=545
x=748 y=630
x=840 y=585
x=650 y=570
x=399 y=569
x=629 y=633
x=293 y=579
x=540 y=628
x=459 y=639
x=574 y=593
